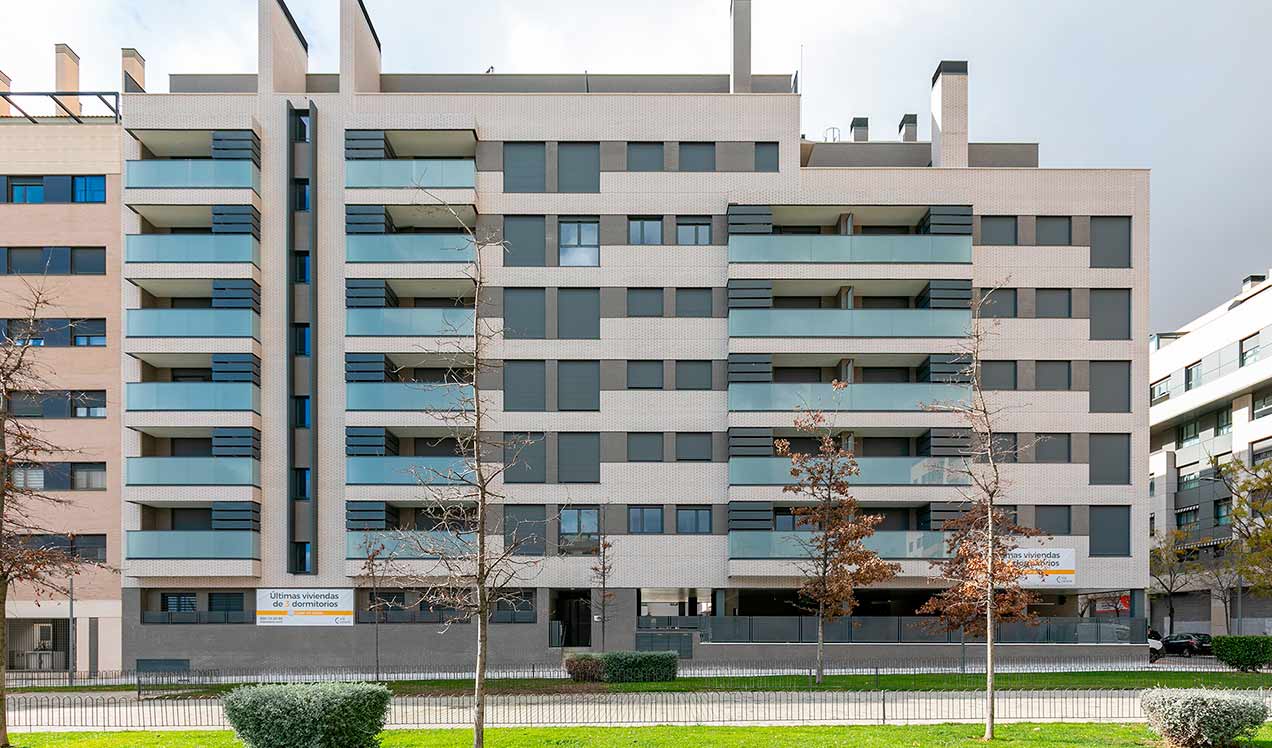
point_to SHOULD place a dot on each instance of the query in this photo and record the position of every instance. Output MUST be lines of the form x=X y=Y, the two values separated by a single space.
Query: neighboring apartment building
x=683 y=271
x=59 y=228
x=1211 y=394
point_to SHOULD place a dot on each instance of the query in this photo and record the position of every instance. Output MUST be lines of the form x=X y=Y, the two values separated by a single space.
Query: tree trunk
x=1170 y=610
x=479 y=679
x=821 y=643
x=989 y=627
x=4 y=665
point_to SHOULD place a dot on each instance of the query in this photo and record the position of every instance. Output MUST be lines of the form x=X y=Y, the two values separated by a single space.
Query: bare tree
x=835 y=561
x=1251 y=487
x=1169 y=567
x=984 y=578
x=602 y=573
x=372 y=570
x=32 y=555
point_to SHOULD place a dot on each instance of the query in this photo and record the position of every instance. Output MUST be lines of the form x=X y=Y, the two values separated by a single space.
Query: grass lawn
x=924 y=736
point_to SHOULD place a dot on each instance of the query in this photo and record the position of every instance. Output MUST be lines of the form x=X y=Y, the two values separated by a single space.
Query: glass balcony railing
x=408 y=248
x=406 y=544
x=192 y=248
x=913 y=396
x=890 y=544
x=193 y=323
x=408 y=396
x=918 y=630
x=404 y=471
x=451 y=322
x=193 y=471
x=915 y=248
x=875 y=471
x=193 y=396
x=193 y=173
x=411 y=172
x=849 y=323
x=193 y=544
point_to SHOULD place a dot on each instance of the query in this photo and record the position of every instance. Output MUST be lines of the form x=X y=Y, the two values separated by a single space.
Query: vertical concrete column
x=5 y=82
x=66 y=75
x=843 y=299
x=740 y=10
x=908 y=130
x=949 y=114
x=359 y=49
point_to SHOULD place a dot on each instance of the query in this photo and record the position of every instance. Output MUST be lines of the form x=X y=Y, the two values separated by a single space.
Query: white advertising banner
x=1054 y=567
x=304 y=607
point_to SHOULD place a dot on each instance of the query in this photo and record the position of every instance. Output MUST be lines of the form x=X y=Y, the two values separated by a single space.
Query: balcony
x=849 y=323
x=409 y=247
x=875 y=471
x=889 y=544
x=193 y=471
x=914 y=248
x=413 y=396
x=193 y=323
x=193 y=173
x=193 y=396
x=406 y=544
x=451 y=322
x=438 y=173
x=193 y=544
x=212 y=248
x=916 y=396
x=394 y=470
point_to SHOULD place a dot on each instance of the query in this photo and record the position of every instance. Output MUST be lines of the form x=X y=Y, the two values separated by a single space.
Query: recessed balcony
x=208 y=248
x=778 y=396
x=432 y=173
x=193 y=396
x=394 y=470
x=453 y=322
x=193 y=544
x=413 y=396
x=874 y=471
x=193 y=471
x=193 y=323
x=829 y=248
x=849 y=323
x=192 y=173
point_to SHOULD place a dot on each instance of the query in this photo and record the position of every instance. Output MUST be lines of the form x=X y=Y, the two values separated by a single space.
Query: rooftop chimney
x=949 y=114
x=66 y=75
x=133 y=66
x=1252 y=280
x=860 y=129
x=741 y=12
x=4 y=88
x=908 y=130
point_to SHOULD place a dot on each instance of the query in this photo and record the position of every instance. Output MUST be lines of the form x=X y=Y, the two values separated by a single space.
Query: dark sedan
x=1186 y=644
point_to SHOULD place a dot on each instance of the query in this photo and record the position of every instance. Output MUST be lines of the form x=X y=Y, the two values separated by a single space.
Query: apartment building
x=59 y=230
x=682 y=272
x=1211 y=397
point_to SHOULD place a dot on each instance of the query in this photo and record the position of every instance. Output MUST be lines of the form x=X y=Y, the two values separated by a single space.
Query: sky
x=1175 y=87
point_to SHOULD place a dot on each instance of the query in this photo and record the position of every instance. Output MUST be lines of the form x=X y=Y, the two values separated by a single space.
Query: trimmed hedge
x=1245 y=653
x=633 y=667
x=585 y=668
x=1199 y=718
x=308 y=715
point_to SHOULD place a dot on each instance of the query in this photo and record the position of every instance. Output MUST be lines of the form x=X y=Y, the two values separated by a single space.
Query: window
x=697 y=156
x=1223 y=421
x=300 y=487
x=1110 y=460
x=89 y=332
x=524 y=313
x=26 y=190
x=1110 y=530
x=693 y=520
x=27 y=261
x=516 y=606
x=1223 y=512
x=88 y=476
x=302 y=558
x=26 y=405
x=300 y=411
x=1250 y=350
x=999 y=303
x=644 y=302
x=645 y=447
x=1052 y=231
x=1192 y=376
x=766 y=156
x=300 y=267
x=580 y=243
x=177 y=602
x=1110 y=241
x=300 y=195
x=525 y=458
x=644 y=156
x=88 y=261
x=693 y=447
x=578 y=167
x=579 y=314
x=225 y=602
x=525 y=529
x=578 y=385
x=89 y=404
x=1110 y=314
x=1159 y=391
x=579 y=458
x=998 y=375
x=525 y=386
x=1187 y=433
x=1152 y=521
x=644 y=520
x=525 y=241
x=784 y=520
x=644 y=230
x=1051 y=375
x=91 y=189
x=580 y=530
x=693 y=302
x=1052 y=448
x=524 y=167
x=1052 y=520
x=30 y=477
x=693 y=230
x=300 y=128
x=644 y=375
x=1262 y=404
x=1187 y=519
x=693 y=375
x=998 y=230
x=1052 y=303
x=1110 y=385
x=300 y=340
x=1190 y=481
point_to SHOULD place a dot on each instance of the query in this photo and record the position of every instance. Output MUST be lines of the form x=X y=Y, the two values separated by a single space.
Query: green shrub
x=633 y=667
x=1198 y=718
x=308 y=715
x=585 y=668
x=1245 y=653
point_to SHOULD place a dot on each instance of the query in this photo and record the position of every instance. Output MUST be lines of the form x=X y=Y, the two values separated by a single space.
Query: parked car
x=1186 y=645
x=1155 y=650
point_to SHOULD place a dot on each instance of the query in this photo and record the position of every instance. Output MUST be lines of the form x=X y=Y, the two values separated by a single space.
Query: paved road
x=56 y=713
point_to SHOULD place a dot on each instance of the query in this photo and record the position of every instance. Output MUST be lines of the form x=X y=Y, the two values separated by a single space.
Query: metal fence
x=35 y=712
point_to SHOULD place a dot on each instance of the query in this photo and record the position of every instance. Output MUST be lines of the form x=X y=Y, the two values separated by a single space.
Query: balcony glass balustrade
x=441 y=173
x=912 y=396
x=150 y=396
x=451 y=322
x=829 y=248
x=193 y=544
x=406 y=544
x=889 y=544
x=875 y=471
x=408 y=248
x=849 y=323
x=213 y=248
x=193 y=323
x=193 y=471
x=417 y=396
x=396 y=470
x=192 y=173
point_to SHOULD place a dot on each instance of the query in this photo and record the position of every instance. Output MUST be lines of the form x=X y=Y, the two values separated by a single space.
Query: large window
x=26 y=190
x=645 y=446
x=1187 y=433
x=1110 y=530
x=644 y=302
x=998 y=375
x=1053 y=231
x=524 y=313
x=580 y=530
x=30 y=477
x=693 y=375
x=1223 y=512
x=524 y=167
x=693 y=447
x=1159 y=391
x=1000 y=303
x=578 y=167
x=525 y=387
x=578 y=313
x=1051 y=375
x=693 y=302
x=525 y=529
x=177 y=602
x=693 y=520
x=90 y=189
x=644 y=375
x=89 y=333
x=1052 y=520
x=1187 y=520
x=644 y=520
x=579 y=458
x=1052 y=448
x=580 y=243
x=1110 y=242
x=578 y=385
x=525 y=458
x=1250 y=350
x=88 y=476
x=1262 y=404
x=1223 y=421
x=525 y=241
x=1052 y=303
x=1110 y=460
x=693 y=230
